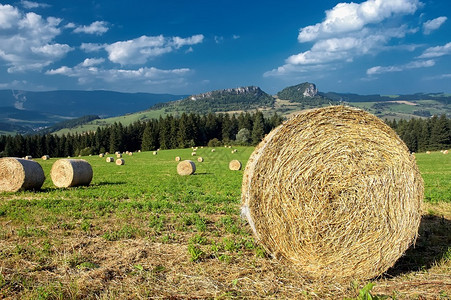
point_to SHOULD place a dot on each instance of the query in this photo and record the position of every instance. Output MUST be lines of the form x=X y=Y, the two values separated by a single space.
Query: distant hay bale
x=130 y=153
x=200 y=159
x=17 y=174
x=109 y=159
x=119 y=155
x=428 y=152
x=120 y=162
x=178 y=158
x=71 y=173
x=213 y=150
x=127 y=152
x=101 y=155
x=117 y=152
x=235 y=165
x=445 y=152
x=155 y=153
x=186 y=167
x=139 y=151
x=335 y=192
x=193 y=153
x=28 y=157
x=45 y=157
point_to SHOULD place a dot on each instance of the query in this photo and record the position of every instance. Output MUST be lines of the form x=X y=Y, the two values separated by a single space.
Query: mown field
x=142 y=231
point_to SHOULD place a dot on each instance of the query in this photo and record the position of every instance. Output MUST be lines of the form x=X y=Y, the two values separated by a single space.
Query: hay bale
x=213 y=150
x=45 y=157
x=155 y=153
x=445 y=152
x=193 y=153
x=109 y=159
x=28 y=157
x=200 y=159
x=178 y=158
x=71 y=172
x=335 y=192
x=186 y=167
x=117 y=152
x=130 y=153
x=119 y=155
x=101 y=155
x=428 y=152
x=18 y=174
x=235 y=165
x=139 y=151
x=120 y=162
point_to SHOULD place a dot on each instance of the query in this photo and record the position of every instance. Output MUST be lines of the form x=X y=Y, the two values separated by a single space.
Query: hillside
x=237 y=99
x=25 y=111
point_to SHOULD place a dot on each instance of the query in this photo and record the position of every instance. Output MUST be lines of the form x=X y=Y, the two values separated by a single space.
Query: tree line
x=192 y=129
x=167 y=132
x=421 y=135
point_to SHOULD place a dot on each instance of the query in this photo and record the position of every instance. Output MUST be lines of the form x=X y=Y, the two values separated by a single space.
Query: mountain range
x=24 y=112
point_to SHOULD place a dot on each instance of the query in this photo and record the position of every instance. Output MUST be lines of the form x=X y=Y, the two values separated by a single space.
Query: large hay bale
x=71 y=172
x=20 y=174
x=335 y=192
x=235 y=165
x=109 y=159
x=186 y=167
x=120 y=162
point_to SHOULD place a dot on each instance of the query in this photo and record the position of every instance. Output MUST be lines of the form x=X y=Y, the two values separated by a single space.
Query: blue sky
x=189 y=47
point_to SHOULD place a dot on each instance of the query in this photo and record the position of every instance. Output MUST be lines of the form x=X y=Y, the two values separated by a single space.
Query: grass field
x=140 y=230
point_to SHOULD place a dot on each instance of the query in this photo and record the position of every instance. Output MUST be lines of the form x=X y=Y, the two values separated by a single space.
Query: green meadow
x=142 y=231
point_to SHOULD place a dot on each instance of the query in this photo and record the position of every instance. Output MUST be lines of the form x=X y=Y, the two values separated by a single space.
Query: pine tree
x=258 y=129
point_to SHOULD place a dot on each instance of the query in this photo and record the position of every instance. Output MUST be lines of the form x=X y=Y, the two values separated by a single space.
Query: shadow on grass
x=203 y=173
x=109 y=183
x=434 y=238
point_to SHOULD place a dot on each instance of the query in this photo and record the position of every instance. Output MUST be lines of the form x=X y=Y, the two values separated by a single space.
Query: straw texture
x=334 y=191
x=20 y=174
x=186 y=167
x=71 y=172
x=235 y=165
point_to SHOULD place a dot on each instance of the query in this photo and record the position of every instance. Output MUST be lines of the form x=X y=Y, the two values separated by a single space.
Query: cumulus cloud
x=436 y=51
x=412 y=65
x=87 y=72
x=29 y=44
x=97 y=27
x=31 y=4
x=350 y=30
x=139 y=50
x=434 y=24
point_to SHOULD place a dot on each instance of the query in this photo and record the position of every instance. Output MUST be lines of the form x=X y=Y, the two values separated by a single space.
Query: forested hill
x=236 y=99
x=305 y=93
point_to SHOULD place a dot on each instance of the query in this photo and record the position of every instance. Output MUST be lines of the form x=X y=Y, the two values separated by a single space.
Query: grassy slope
x=140 y=230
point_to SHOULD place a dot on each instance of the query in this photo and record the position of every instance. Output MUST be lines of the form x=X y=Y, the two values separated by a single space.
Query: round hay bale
x=428 y=152
x=45 y=157
x=186 y=167
x=71 y=172
x=178 y=158
x=155 y=153
x=335 y=192
x=445 y=152
x=120 y=162
x=193 y=153
x=20 y=174
x=28 y=157
x=200 y=159
x=101 y=155
x=139 y=151
x=109 y=159
x=117 y=152
x=235 y=165
x=213 y=150
x=118 y=155
x=130 y=153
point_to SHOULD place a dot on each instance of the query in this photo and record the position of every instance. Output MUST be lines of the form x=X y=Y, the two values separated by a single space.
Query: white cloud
x=97 y=27
x=235 y=37
x=434 y=24
x=28 y=44
x=437 y=51
x=31 y=4
x=412 y=65
x=350 y=30
x=348 y=17
x=89 y=62
x=139 y=50
x=92 y=47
